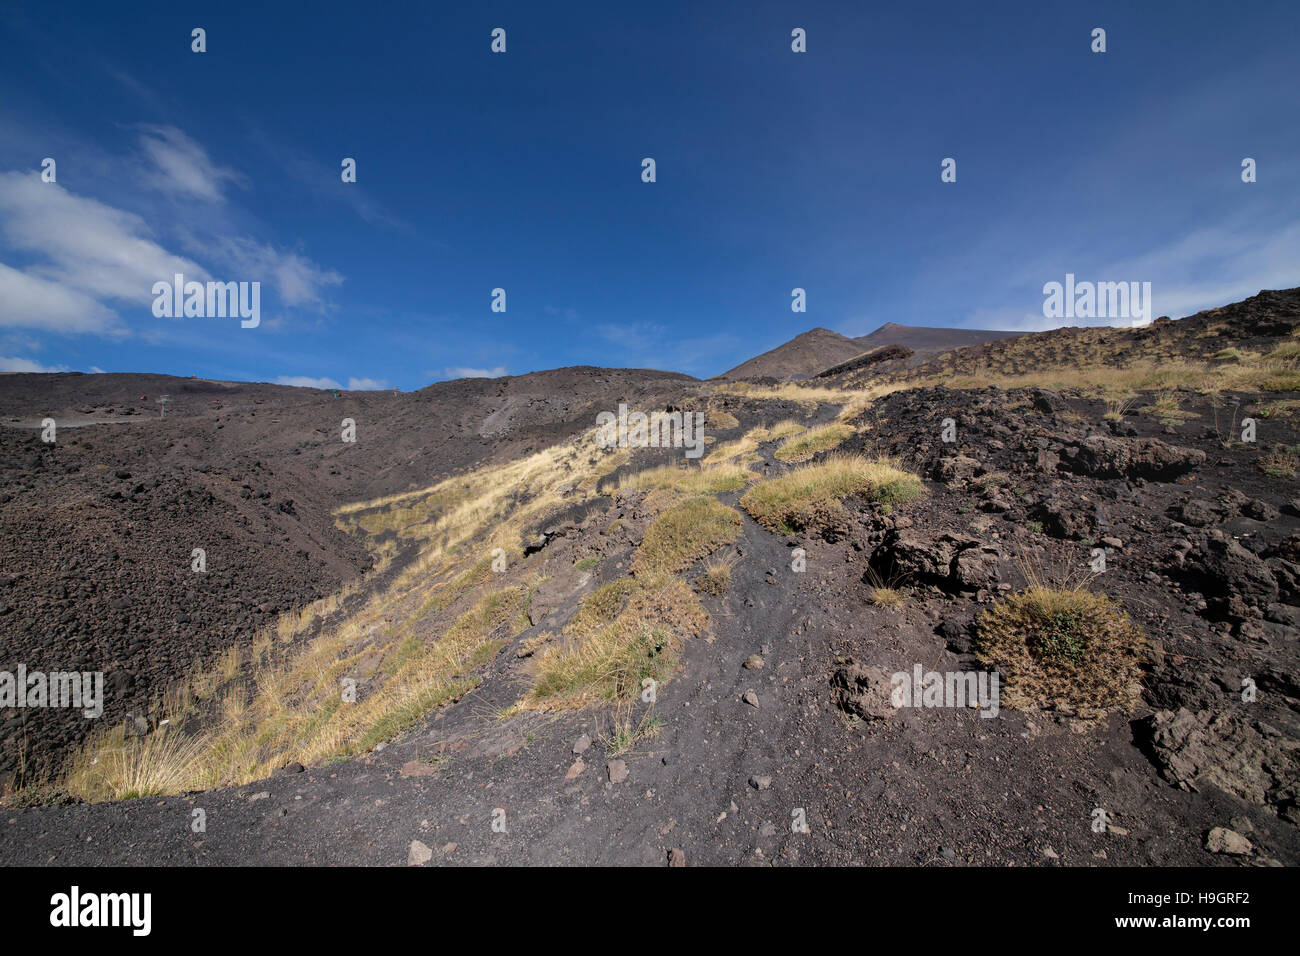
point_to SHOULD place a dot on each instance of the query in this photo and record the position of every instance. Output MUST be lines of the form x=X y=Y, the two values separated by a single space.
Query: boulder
x=1099 y=456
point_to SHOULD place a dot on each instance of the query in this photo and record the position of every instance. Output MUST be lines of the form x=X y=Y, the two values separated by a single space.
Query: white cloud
x=639 y=336
x=27 y=301
x=296 y=279
x=90 y=247
x=182 y=166
x=366 y=384
x=81 y=258
x=306 y=381
x=27 y=365
x=459 y=371
x=1218 y=264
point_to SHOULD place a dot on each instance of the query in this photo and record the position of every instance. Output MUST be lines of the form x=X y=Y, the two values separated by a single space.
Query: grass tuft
x=1059 y=648
x=811 y=442
x=686 y=532
x=810 y=498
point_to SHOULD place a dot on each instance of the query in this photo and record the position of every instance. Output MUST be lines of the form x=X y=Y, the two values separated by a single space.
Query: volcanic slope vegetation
x=1107 y=519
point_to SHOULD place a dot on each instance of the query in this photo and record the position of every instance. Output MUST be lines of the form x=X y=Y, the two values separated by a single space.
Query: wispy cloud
x=296 y=279
x=86 y=254
x=460 y=371
x=306 y=381
x=181 y=166
x=73 y=261
x=27 y=365
x=28 y=301
x=325 y=183
x=366 y=384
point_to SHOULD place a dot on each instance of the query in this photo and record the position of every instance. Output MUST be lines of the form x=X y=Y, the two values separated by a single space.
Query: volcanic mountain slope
x=766 y=713
x=818 y=350
x=1220 y=348
x=597 y=655
x=99 y=529
x=928 y=343
x=801 y=357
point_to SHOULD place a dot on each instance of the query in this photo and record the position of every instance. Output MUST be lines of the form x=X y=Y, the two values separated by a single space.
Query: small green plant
x=624 y=735
x=1167 y=410
x=1284 y=462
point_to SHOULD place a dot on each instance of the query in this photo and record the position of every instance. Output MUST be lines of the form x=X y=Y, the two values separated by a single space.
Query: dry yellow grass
x=612 y=661
x=729 y=450
x=782 y=429
x=886 y=597
x=705 y=480
x=1249 y=374
x=263 y=711
x=715 y=419
x=810 y=497
x=811 y=442
x=1062 y=647
x=717 y=574
x=301 y=709
x=686 y=532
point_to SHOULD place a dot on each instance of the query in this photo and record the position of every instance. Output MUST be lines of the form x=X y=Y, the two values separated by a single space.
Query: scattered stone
x=1247 y=758
x=1098 y=456
x=750 y=698
x=1230 y=842
x=581 y=745
x=416 y=768
x=956 y=469
x=1050 y=853
x=760 y=783
x=1236 y=579
x=617 y=771
x=418 y=854
x=754 y=662
x=863 y=690
x=578 y=766
x=676 y=857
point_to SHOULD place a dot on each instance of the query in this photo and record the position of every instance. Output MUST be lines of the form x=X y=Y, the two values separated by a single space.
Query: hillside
x=927 y=343
x=817 y=350
x=630 y=658
x=801 y=357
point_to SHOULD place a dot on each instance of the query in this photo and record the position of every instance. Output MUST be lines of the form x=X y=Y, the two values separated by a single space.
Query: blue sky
x=522 y=171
